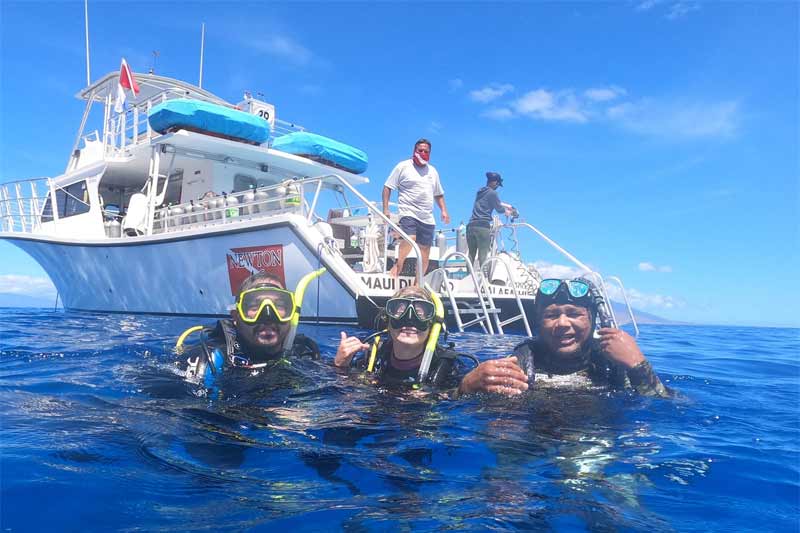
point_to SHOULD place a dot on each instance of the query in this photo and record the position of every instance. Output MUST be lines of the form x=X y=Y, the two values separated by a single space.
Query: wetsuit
x=445 y=370
x=592 y=370
x=221 y=343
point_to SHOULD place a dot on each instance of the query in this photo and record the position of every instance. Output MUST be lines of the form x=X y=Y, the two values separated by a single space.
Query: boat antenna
x=86 y=26
x=156 y=53
x=202 y=46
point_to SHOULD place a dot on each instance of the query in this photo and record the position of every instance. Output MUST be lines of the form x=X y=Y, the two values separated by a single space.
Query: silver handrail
x=383 y=217
x=551 y=242
x=522 y=314
x=480 y=290
x=627 y=303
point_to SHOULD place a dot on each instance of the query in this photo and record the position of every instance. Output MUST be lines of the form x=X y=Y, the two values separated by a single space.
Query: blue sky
x=656 y=140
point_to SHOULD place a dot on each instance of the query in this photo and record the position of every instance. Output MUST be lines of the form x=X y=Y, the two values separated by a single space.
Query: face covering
x=421 y=159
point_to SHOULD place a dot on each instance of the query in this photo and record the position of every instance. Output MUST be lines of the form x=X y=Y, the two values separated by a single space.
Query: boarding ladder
x=496 y=259
x=485 y=307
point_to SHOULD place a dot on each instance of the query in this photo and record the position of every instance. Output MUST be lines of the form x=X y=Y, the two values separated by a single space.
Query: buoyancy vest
x=444 y=370
x=219 y=348
x=599 y=369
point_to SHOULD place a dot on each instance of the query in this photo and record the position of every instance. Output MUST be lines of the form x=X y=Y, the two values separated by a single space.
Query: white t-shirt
x=416 y=188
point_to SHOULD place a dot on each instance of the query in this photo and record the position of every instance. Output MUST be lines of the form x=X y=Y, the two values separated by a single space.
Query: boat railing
x=487 y=265
x=20 y=204
x=373 y=212
x=287 y=197
x=594 y=276
x=483 y=294
x=281 y=198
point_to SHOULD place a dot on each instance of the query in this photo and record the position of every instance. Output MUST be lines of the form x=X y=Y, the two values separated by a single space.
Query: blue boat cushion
x=322 y=149
x=205 y=117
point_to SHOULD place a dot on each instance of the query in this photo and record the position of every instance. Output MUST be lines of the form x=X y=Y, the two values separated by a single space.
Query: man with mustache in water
x=255 y=335
x=570 y=351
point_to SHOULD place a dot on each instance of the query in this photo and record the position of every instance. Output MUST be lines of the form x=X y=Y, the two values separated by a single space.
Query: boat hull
x=191 y=275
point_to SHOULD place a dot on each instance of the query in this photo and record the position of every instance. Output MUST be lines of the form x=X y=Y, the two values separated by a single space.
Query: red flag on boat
x=126 y=81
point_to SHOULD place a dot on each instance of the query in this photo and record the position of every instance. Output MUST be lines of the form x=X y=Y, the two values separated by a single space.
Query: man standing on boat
x=418 y=186
x=487 y=201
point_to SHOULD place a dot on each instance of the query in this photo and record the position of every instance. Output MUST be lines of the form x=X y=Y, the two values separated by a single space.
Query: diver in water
x=410 y=355
x=262 y=330
x=575 y=347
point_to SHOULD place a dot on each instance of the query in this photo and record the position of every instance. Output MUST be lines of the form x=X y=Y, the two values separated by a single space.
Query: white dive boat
x=169 y=218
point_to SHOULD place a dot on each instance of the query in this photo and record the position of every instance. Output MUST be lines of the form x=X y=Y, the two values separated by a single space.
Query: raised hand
x=500 y=376
x=348 y=347
x=620 y=347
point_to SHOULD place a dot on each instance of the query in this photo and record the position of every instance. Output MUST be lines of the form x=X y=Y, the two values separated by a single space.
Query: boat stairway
x=481 y=309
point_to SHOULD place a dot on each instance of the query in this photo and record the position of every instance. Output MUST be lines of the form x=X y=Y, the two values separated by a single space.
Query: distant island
x=8 y=299
x=621 y=312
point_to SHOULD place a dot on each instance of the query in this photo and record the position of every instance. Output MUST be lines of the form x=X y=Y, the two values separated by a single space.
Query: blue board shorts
x=423 y=232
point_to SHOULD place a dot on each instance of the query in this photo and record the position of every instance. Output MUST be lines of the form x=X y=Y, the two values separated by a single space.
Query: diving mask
x=577 y=288
x=266 y=304
x=412 y=312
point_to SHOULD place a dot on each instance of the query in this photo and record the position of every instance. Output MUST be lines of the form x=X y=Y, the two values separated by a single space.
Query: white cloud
x=644 y=301
x=490 y=92
x=282 y=47
x=681 y=9
x=435 y=127
x=675 y=10
x=553 y=270
x=546 y=105
x=675 y=119
x=498 y=113
x=638 y=299
x=455 y=84
x=647 y=5
x=27 y=285
x=650 y=267
x=604 y=94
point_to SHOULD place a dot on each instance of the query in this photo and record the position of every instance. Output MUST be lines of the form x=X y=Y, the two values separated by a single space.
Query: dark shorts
x=423 y=232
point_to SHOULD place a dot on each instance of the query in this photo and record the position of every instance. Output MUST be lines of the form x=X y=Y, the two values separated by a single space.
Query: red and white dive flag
x=126 y=81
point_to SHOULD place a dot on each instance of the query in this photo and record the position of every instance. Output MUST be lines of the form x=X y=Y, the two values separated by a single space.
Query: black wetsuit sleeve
x=644 y=380
x=524 y=354
x=305 y=347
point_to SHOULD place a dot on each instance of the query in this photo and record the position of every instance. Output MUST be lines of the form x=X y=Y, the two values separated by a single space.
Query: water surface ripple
x=97 y=422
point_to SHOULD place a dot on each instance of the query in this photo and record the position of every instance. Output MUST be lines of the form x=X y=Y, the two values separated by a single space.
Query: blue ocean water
x=100 y=433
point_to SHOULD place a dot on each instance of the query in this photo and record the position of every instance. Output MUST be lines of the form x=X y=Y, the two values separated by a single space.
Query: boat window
x=70 y=201
x=243 y=182
x=47 y=211
x=76 y=200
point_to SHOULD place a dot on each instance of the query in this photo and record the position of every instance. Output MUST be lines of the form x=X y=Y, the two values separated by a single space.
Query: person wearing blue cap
x=487 y=201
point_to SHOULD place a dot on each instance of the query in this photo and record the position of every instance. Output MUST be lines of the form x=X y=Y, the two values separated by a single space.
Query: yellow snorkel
x=433 y=338
x=299 y=292
x=182 y=338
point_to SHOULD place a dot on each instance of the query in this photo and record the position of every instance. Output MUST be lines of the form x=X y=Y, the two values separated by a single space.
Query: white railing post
x=149 y=130
x=21 y=205
x=8 y=224
x=403 y=235
x=135 y=135
x=123 y=123
x=155 y=163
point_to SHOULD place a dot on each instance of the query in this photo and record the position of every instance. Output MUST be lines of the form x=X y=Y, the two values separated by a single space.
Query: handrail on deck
x=379 y=213
x=599 y=281
x=522 y=316
x=480 y=290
